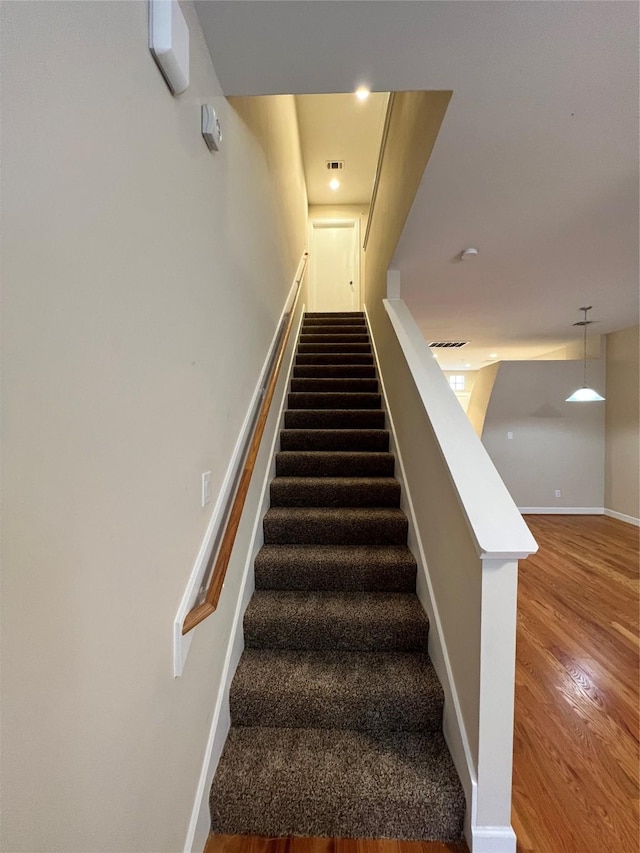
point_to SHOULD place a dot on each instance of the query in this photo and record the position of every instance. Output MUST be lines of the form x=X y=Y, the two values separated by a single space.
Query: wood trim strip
x=200 y=612
x=376 y=182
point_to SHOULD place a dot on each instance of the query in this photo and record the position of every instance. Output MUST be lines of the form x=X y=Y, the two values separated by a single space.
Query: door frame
x=350 y=222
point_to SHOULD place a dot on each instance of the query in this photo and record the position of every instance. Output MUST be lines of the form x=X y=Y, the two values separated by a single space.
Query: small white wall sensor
x=468 y=253
x=211 y=129
x=169 y=43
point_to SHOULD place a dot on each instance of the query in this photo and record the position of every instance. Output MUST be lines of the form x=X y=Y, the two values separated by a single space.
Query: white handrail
x=495 y=523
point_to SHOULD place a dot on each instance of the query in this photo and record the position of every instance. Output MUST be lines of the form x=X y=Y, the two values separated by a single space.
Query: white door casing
x=334 y=279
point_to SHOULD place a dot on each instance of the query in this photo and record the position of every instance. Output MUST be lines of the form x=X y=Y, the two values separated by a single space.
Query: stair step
x=333 y=400
x=333 y=321
x=335 y=620
x=323 y=782
x=334 y=419
x=300 y=463
x=333 y=314
x=376 y=440
x=329 y=384
x=323 y=348
x=344 y=526
x=334 y=358
x=334 y=329
x=364 y=691
x=335 y=492
x=329 y=338
x=326 y=371
x=390 y=568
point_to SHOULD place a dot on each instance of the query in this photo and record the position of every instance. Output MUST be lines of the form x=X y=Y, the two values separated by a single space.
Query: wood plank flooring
x=576 y=723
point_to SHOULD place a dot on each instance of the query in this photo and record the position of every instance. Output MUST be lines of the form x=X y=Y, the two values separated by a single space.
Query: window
x=457 y=382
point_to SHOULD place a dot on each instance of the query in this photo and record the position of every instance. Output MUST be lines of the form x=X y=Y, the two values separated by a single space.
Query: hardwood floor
x=576 y=723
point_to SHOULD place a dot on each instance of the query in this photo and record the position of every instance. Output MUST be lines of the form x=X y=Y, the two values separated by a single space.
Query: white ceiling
x=340 y=127
x=536 y=163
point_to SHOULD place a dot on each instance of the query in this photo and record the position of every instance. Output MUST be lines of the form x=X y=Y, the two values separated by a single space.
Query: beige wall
x=143 y=278
x=555 y=445
x=622 y=462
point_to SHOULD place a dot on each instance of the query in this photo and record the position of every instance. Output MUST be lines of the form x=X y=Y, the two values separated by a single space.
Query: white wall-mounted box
x=169 y=42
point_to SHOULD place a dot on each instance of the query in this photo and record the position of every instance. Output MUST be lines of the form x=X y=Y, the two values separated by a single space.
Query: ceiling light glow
x=334 y=184
x=362 y=93
x=493 y=355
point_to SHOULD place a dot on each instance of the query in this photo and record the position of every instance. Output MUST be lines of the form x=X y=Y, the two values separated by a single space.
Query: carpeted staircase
x=336 y=710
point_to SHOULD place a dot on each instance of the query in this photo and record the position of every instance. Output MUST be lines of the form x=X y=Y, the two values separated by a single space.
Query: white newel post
x=493 y=833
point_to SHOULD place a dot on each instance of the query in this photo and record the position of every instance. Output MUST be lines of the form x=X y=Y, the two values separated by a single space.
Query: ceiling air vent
x=449 y=344
x=333 y=165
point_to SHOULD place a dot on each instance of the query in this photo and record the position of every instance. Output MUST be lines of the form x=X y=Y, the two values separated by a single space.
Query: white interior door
x=335 y=267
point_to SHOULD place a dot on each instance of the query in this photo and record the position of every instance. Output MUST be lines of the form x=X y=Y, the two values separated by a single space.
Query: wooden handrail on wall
x=223 y=555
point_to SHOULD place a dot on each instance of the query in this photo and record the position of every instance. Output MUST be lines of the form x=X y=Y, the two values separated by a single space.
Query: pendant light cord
x=585 y=346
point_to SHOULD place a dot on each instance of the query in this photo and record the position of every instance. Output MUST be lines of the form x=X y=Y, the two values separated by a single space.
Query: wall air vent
x=333 y=165
x=448 y=344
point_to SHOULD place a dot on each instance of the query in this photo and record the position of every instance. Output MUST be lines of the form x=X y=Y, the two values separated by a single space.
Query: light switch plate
x=206 y=488
x=169 y=42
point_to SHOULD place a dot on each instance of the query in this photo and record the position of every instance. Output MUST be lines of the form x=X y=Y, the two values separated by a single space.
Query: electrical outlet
x=510 y=436
x=558 y=493
x=206 y=488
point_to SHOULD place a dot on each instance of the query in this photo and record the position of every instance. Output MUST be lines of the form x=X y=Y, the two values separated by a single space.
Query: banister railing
x=469 y=537
x=217 y=566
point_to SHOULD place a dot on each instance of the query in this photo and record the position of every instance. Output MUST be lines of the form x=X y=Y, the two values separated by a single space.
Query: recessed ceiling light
x=467 y=365
x=362 y=93
x=493 y=355
x=334 y=183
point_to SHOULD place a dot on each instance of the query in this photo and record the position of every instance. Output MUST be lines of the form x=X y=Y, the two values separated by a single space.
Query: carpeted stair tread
x=390 y=568
x=323 y=463
x=351 y=621
x=333 y=400
x=334 y=329
x=331 y=526
x=334 y=348
x=334 y=358
x=335 y=491
x=332 y=338
x=326 y=384
x=345 y=440
x=329 y=371
x=323 y=782
x=332 y=314
x=364 y=691
x=334 y=419
x=322 y=322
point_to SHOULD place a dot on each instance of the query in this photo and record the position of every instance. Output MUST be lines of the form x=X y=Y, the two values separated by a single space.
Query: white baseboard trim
x=561 y=510
x=200 y=823
x=493 y=839
x=630 y=519
x=453 y=725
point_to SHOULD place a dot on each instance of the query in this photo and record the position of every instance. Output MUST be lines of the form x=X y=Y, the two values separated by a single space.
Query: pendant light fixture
x=584 y=394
